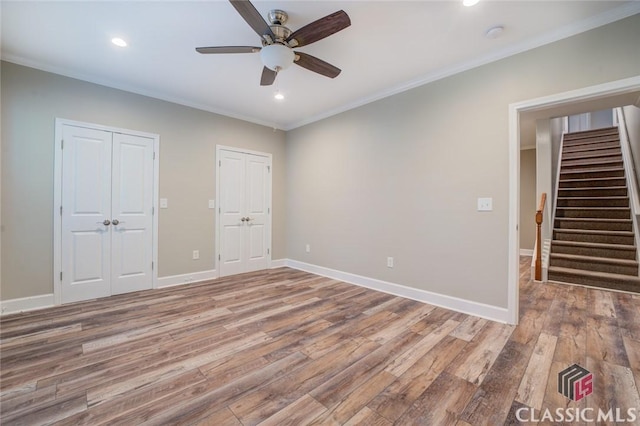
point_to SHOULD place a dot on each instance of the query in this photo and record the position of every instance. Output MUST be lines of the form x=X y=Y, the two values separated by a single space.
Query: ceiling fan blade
x=323 y=27
x=228 y=49
x=316 y=65
x=268 y=77
x=250 y=14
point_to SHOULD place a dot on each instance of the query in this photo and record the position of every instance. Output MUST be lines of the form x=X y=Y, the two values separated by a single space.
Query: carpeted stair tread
x=594 y=170
x=604 y=153
x=605 y=275
x=594 y=232
x=614 y=143
x=573 y=163
x=596 y=208
x=593 y=202
x=594 y=219
x=594 y=188
x=584 y=142
x=584 y=248
x=594 y=259
x=614 y=181
x=592 y=133
x=594 y=245
x=592 y=278
x=593 y=212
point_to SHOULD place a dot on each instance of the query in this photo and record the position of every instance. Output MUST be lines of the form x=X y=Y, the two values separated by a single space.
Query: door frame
x=217 y=226
x=590 y=93
x=57 y=197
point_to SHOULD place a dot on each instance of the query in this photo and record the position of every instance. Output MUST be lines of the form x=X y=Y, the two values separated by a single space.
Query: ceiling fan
x=278 y=41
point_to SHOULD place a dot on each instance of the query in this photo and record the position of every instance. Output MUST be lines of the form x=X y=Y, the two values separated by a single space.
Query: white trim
x=269 y=196
x=24 y=304
x=490 y=312
x=613 y=88
x=57 y=196
x=194 y=277
x=526 y=252
x=629 y=165
x=278 y=263
x=629 y=173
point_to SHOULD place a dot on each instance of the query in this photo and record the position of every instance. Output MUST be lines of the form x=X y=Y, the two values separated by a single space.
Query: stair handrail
x=539 y=219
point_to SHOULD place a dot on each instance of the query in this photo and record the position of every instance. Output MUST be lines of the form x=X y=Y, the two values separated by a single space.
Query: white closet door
x=107 y=213
x=244 y=199
x=132 y=214
x=232 y=207
x=86 y=214
x=256 y=208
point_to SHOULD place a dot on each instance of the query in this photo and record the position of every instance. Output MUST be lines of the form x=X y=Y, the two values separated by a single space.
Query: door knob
x=243 y=219
x=115 y=222
x=249 y=218
x=106 y=222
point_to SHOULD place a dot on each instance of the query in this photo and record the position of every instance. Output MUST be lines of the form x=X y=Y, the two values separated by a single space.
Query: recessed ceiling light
x=470 y=3
x=278 y=96
x=119 y=42
x=494 y=32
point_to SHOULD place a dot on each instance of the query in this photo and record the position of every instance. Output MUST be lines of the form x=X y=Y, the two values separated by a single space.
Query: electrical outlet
x=164 y=203
x=308 y=248
x=196 y=254
x=212 y=204
x=389 y=262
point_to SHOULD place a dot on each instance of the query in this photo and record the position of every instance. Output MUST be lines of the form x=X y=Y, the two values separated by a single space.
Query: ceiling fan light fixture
x=277 y=57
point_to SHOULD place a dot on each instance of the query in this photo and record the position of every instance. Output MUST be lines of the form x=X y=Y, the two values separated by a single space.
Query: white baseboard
x=24 y=304
x=278 y=263
x=526 y=252
x=490 y=312
x=193 y=277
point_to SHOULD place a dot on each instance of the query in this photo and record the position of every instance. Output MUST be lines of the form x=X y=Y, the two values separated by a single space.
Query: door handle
x=243 y=219
x=249 y=218
x=115 y=222
x=106 y=222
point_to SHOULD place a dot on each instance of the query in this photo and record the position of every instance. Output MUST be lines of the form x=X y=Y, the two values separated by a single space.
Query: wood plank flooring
x=287 y=347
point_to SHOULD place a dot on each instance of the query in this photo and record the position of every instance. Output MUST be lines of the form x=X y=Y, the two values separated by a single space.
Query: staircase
x=593 y=241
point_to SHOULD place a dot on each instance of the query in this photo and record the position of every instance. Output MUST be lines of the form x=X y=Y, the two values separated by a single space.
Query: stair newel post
x=538 y=270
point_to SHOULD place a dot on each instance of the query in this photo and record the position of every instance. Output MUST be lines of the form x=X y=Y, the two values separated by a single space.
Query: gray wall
x=400 y=177
x=32 y=99
x=528 y=202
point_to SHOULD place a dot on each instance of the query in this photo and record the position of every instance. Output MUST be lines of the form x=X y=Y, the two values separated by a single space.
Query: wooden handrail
x=538 y=271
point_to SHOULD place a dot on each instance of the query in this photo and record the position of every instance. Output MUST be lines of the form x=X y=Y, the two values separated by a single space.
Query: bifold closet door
x=107 y=196
x=244 y=208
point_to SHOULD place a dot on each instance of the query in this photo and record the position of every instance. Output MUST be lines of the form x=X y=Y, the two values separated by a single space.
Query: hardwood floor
x=287 y=347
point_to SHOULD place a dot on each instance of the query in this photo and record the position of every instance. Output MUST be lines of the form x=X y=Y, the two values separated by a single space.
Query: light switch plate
x=164 y=203
x=485 y=204
x=212 y=204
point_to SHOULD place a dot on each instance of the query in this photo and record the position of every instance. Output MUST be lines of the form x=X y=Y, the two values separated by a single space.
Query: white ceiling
x=391 y=46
